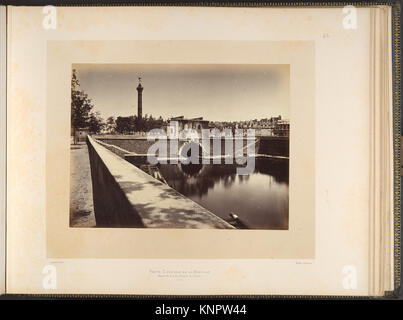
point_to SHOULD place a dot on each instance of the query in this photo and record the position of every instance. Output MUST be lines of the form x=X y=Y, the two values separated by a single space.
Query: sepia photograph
x=248 y=154
x=180 y=146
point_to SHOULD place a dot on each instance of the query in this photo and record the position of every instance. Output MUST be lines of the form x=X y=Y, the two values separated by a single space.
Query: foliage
x=95 y=123
x=81 y=105
x=110 y=125
x=131 y=124
x=125 y=125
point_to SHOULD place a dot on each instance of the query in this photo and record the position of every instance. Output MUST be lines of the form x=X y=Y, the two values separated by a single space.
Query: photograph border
x=298 y=242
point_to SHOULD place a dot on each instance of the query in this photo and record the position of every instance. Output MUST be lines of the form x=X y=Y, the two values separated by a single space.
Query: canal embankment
x=263 y=145
x=125 y=196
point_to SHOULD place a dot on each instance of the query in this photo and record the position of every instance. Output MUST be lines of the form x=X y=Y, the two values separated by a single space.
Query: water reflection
x=260 y=200
x=191 y=169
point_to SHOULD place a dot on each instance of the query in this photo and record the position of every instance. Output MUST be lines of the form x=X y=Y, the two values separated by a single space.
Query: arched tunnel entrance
x=191 y=152
x=190 y=155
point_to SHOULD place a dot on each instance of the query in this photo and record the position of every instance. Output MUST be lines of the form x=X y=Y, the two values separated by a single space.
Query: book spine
x=398 y=167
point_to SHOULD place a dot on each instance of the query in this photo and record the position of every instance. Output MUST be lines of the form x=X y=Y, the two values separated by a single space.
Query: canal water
x=260 y=199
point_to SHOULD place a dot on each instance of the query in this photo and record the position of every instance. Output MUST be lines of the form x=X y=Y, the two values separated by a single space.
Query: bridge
x=136 y=149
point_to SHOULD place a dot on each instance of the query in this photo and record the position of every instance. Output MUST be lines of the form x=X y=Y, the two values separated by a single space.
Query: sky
x=216 y=92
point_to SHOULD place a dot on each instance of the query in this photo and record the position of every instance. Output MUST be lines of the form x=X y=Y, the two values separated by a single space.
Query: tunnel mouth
x=191 y=153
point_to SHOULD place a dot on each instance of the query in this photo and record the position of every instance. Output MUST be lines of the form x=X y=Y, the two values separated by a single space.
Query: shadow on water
x=259 y=200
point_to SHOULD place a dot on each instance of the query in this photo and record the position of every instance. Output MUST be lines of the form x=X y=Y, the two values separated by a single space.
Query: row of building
x=275 y=126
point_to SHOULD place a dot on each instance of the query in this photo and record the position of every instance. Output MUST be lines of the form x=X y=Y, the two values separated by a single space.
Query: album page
x=107 y=108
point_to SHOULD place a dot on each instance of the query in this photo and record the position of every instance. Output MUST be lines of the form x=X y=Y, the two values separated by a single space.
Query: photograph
x=253 y=153
x=198 y=146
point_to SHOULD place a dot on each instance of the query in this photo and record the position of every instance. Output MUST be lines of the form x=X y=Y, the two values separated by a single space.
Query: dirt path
x=81 y=203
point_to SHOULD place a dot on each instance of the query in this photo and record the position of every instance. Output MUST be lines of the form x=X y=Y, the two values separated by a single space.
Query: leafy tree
x=81 y=105
x=125 y=125
x=111 y=124
x=95 y=123
x=149 y=123
x=139 y=124
x=82 y=114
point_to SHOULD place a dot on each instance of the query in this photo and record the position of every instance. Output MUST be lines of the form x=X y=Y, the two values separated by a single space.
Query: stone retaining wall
x=273 y=146
x=125 y=196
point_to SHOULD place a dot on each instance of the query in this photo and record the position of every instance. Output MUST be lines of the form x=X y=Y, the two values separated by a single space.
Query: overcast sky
x=215 y=92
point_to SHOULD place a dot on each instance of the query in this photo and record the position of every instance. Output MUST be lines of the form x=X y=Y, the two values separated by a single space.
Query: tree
x=149 y=123
x=125 y=125
x=139 y=123
x=95 y=123
x=111 y=124
x=81 y=106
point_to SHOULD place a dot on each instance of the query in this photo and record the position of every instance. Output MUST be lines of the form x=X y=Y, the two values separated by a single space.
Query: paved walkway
x=81 y=203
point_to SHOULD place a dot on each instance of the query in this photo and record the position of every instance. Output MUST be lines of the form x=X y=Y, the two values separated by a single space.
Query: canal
x=260 y=200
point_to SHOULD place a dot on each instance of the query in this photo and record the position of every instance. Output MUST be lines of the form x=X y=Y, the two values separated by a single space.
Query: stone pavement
x=81 y=202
